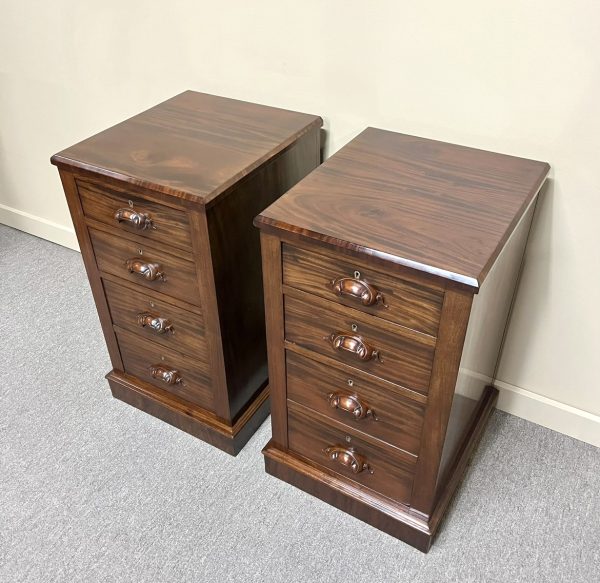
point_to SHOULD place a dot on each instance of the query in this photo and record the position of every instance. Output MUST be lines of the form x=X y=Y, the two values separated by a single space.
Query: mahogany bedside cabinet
x=389 y=274
x=163 y=206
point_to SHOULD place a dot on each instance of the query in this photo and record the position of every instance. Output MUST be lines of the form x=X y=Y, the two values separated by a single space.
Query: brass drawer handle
x=347 y=457
x=353 y=344
x=350 y=404
x=155 y=323
x=166 y=375
x=358 y=289
x=149 y=271
x=139 y=221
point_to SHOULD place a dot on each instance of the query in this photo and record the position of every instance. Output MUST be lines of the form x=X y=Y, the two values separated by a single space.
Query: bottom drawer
x=357 y=460
x=166 y=369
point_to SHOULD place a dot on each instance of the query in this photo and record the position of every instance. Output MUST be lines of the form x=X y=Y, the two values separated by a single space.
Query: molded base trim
x=190 y=418
x=39 y=227
x=378 y=511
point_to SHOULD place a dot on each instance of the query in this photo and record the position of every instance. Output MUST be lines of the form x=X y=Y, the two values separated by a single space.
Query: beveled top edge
x=272 y=226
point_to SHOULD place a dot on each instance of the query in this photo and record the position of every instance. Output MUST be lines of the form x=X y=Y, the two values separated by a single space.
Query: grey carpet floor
x=94 y=490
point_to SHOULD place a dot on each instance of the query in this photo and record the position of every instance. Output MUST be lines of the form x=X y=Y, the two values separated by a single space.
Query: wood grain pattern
x=406 y=356
x=453 y=327
x=112 y=253
x=435 y=207
x=272 y=275
x=194 y=146
x=183 y=255
x=169 y=226
x=187 y=334
x=309 y=438
x=381 y=512
x=192 y=419
x=139 y=355
x=430 y=220
x=93 y=274
x=404 y=303
x=397 y=421
x=236 y=259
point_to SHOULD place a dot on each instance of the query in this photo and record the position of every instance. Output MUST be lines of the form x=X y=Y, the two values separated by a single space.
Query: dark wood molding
x=187 y=417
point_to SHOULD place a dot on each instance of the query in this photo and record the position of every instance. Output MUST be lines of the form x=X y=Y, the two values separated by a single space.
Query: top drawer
x=355 y=284
x=135 y=215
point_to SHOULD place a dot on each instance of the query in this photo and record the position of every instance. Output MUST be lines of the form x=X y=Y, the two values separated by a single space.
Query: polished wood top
x=193 y=146
x=436 y=207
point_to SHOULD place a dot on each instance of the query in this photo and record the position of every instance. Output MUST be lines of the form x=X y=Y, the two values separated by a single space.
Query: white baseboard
x=39 y=227
x=549 y=413
x=536 y=408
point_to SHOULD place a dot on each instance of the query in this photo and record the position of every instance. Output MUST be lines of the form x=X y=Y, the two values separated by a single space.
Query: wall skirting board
x=536 y=408
x=39 y=227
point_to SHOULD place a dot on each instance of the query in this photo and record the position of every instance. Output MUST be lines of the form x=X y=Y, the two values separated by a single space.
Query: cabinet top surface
x=436 y=207
x=193 y=146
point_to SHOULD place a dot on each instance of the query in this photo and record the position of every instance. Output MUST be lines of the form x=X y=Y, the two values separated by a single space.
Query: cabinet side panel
x=485 y=333
x=236 y=259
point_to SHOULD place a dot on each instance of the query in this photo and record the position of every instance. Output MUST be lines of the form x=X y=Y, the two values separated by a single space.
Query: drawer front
x=377 y=468
x=114 y=252
x=355 y=284
x=156 y=320
x=355 y=400
x=143 y=217
x=166 y=369
x=392 y=352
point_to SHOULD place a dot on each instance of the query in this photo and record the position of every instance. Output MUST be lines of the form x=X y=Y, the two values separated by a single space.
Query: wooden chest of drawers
x=389 y=275
x=163 y=205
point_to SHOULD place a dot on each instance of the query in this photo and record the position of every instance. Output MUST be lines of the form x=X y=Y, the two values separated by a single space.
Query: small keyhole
x=140 y=252
x=151 y=304
x=348 y=438
x=130 y=202
x=350 y=383
x=354 y=328
x=357 y=275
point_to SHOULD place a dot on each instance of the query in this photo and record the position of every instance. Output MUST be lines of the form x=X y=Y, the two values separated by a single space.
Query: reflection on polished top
x=193 y=146
x=436 y=207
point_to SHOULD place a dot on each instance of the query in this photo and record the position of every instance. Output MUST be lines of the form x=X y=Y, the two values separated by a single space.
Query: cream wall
x=515 y=76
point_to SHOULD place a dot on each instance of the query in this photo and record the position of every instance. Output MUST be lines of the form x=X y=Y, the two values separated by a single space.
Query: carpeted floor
x=94 y=490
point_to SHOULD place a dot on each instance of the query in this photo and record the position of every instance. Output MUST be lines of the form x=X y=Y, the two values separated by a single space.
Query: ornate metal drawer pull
x=155 y=323
x=358 y=289
x=353 y=344
x=350 y=404
x=140 y=221
x=167 y=376
x=150 y=271
x=347 y=457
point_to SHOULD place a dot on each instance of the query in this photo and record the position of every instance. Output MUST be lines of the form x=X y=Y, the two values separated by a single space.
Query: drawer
x=355 y=284
x=156 y=320
x=152 y=363
x=142 y=217
x=356 y=400
x=178 y=277
x=374 y=467
x=386 y=350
